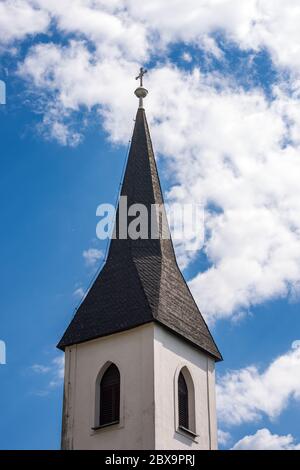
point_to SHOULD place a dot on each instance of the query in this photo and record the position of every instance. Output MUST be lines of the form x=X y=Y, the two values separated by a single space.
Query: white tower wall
x=149 y=359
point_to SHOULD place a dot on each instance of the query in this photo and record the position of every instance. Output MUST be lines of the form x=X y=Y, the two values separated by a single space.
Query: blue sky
x=223 y=110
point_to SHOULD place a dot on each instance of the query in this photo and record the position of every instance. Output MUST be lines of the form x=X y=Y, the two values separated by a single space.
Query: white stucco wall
x=172 y=353
x=149 y=359
x=132 y=352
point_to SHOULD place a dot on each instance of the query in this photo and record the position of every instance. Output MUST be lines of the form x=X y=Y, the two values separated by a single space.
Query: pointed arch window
x=186 y=413
x=183 y=402
x=110 y=396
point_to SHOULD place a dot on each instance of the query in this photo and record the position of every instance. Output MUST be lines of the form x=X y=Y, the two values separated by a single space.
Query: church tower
x=139 y=358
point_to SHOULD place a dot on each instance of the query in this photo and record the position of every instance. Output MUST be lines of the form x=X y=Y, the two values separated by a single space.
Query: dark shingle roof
x=140 y=281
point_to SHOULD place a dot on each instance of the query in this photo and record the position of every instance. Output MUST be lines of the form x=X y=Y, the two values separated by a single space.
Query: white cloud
x=91 y=256
x=121 y=29
x=19 y=18
x=113 y=30
x=270 y=24
x=78 y=293
x=40 y=369
x=58 y=369
x=245 y=395
x=74 y=78
x=233 y=142
x=186 y=56
x=227 y=148
x=223 y=437
x=54 y=371
x=243 y=155
x=54 y=127
x=210 y=46
x=263 y=439
x=296 y=344
x=232 y=150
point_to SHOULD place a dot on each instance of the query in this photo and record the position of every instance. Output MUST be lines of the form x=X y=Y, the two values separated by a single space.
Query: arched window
x=110 y=396
x=186 y=413
x=183 y=402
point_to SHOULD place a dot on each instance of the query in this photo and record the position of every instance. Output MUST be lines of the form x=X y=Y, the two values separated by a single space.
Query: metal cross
x=141 y=74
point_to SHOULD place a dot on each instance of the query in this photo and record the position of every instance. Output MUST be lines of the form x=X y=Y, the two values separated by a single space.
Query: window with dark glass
x=110 y=396
x=183 y=402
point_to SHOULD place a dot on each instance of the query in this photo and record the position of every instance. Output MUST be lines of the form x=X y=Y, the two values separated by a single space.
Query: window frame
x=113 y=399
x=96 y=426
x=191 y=431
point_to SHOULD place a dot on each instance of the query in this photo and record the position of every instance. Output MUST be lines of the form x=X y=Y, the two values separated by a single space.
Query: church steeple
x=140 y=281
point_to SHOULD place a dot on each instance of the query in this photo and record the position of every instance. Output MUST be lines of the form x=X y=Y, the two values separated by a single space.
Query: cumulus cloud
x=53 y=371
x=223 y=437
x=232 y=150
x=242 y=171
x=119 y=29
x=265 y=24
x=58 y=369
x=20 y=18
x=40 y=369
x=258 y=394
x=186 y=56
x=70 y=78
x=91 y=256
x=243 y=154
x=109 y=25
x=57 y=125
x=210 y=46
x=263 y=439
x=270 y=24
x=79 y=293
x=242 y=150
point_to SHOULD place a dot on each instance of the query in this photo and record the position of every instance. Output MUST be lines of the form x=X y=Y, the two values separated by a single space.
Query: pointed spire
x=141 y=281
